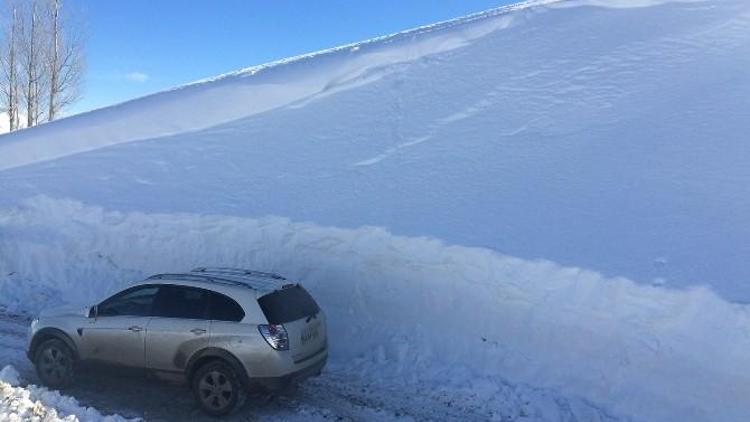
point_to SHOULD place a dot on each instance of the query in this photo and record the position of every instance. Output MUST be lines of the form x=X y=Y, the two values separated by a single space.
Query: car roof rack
x=198 y=277
x=236 y=271
x=255 y=280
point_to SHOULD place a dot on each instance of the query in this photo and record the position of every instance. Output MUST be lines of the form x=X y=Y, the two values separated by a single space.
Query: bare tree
x=54 y=57
x=31 y=57
x=10 y=83
x=42 y=61
x=64 y=59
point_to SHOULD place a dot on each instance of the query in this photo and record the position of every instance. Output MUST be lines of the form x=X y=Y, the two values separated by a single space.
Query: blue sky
x=137 y=47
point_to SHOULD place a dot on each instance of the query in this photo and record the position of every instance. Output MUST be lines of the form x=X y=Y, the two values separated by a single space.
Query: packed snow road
x=339 y=394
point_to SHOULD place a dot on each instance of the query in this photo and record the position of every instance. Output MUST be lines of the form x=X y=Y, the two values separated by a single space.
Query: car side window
x=224 y=308
x=181 y=302
x=136 y=301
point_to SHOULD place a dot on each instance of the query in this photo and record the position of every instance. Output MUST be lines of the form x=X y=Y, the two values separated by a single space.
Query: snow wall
x=416 y=308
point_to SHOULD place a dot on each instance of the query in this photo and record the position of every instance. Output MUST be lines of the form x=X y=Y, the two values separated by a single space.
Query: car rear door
x=179 y=327
x=116 y=334
x=226 y=328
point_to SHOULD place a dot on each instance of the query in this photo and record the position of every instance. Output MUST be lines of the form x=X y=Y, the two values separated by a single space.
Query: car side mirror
x=93 y=311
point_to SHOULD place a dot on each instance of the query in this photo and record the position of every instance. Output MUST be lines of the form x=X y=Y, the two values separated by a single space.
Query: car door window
x=181 y=302
x=137 y=301
x=224 y=308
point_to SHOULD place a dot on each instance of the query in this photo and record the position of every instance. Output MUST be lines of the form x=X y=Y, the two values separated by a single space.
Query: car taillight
x=275 y=335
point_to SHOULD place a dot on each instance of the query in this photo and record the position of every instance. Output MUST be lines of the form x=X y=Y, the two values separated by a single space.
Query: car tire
x=218 y=389
x=54 y=364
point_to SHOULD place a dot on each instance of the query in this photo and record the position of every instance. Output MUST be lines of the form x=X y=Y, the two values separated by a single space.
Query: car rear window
x=287 y=305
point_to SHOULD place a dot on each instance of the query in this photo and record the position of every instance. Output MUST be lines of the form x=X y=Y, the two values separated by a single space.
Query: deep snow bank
x=416 y=308
x=32 y=403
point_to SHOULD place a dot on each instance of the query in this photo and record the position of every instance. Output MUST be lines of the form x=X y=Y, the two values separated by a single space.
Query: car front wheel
x=54 y=364
x=218 y=388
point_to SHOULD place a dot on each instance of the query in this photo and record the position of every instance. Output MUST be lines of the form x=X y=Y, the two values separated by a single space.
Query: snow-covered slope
x=608 y=138
x=599 y=134
x=247 y=92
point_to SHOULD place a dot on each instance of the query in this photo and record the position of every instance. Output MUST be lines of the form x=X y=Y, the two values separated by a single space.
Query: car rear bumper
x=279 y=383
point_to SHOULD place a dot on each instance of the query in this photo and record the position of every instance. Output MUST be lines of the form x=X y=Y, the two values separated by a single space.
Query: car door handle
x=135 y=329
x=198 y=331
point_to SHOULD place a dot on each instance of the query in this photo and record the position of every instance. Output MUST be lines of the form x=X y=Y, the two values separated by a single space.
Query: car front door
x=117 y=332
x=178 y=328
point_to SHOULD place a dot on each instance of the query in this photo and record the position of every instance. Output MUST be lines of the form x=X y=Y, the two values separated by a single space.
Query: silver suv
x=222 y=330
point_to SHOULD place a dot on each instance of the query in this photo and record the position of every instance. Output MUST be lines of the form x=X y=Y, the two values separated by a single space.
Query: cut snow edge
x=418 y=308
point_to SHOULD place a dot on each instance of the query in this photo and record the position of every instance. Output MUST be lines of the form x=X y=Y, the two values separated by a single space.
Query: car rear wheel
x=54 y=364
x=218 y=388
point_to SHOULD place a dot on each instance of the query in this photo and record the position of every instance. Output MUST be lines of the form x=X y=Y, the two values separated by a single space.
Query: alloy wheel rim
x=54 y=364
x=215 y=390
